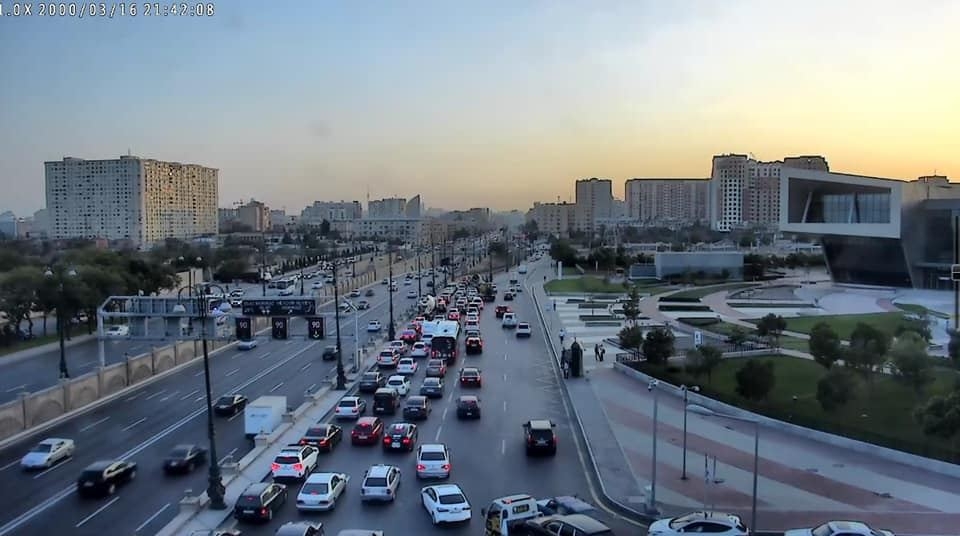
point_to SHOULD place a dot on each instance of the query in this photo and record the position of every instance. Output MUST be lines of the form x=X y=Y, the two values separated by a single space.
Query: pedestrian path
x=801 y=482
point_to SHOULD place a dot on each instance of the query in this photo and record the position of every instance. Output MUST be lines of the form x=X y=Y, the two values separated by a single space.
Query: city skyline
x=518 y=97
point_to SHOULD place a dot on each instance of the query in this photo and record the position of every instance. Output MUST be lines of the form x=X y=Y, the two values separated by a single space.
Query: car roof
x=433 y=447
x=397 y=376
x=582 y=522
x=52 y=440
x=186 y=446
x=351 y=398
x=366 y=420
x=466 y=398
x=470 y=369
x=540 y=424
x=319 y=478
x=100 y=465
x=379 y=470
x=432 y=380
x=256 y=488
x=416 y=398
x=838 y=526
x=447 y=489
x=385 y=391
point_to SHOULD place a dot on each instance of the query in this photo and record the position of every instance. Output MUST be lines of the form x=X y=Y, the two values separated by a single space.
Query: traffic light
x=279 y=324
x=315 y=327
x=244 y=328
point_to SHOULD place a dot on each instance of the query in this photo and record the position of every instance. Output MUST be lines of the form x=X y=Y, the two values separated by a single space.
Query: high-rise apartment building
x=746 y=192
x=655 y=201
x=554 y=219
x=394 y=207
x=594 y=201
x=130 y=198
x=254 y=215
x=331 y=211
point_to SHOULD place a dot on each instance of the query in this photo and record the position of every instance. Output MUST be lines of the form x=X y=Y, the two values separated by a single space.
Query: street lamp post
x=652 y=498
x=215 y=488
x=707 y=412
x=433 y=265
x=62 y=318
x=685 y=390
x=301 y=281
x=341 y=376
x=263 y=264
x=391 y=331
x=419 y=275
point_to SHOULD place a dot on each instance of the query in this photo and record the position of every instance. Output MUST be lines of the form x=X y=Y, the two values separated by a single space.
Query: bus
x=445 y=342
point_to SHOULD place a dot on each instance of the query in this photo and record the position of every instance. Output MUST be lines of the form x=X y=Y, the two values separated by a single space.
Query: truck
x=263 y=415
x=427 y=305
x=487 y=293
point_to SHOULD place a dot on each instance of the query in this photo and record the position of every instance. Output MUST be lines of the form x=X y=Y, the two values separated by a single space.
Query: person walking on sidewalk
x=603 y=352
x=596 y=352
x=563 y=333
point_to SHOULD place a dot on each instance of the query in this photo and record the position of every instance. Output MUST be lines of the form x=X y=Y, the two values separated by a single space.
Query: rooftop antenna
x=129 y=152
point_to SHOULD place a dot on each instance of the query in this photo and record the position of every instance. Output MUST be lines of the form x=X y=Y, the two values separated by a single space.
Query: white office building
x=594 y=201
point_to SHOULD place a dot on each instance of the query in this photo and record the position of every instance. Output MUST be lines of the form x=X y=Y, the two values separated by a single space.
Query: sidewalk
x=802 y=482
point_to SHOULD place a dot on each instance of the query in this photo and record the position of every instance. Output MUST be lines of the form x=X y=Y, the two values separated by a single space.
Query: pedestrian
x=596 y=352
x=563 y=333
x=603 y=352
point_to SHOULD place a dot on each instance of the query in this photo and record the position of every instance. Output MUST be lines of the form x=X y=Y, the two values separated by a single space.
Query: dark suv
x=371 y=381
x=329 y=353
x=540 y=437
x=260 y=501
x=416 y=408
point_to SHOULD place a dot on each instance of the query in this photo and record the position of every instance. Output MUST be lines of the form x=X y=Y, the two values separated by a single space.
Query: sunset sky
x=470 y=103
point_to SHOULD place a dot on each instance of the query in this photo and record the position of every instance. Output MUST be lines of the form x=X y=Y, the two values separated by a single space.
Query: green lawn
x=584 y=284
x=771 y=305
x=704 y=291
x=726 y=328
x=24 y=345
x=919 y=309
x=881 y=412
x=844 y=324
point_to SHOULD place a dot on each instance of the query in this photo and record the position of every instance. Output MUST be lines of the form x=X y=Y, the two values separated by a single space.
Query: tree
x=562 y=251
x=919 y=325
x=953 y=348
x=631 y=307
x=836 y=389
x=910 y=361
x=772 y=326
x=737 y=338
x=631 y=338
x=18 y=292
x=940 y=415
x=868 y=349
x=703 y=360
x=755 y=380
x=825 y=345
x=497 y=249
x=658 y=345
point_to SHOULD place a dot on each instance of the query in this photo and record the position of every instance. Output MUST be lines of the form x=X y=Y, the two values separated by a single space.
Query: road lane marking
x=9 y=465
x=199 y=398
x=134 y=424
x=231 y=453
x=25 y=517
x=85 y=364
x=436 y=438
x=155 y=395
x=234 y=416
x=91 y=425
x=17 y=388
x=47 y=470
x=277 y=386
x=305 y=367
x=312 y=385
x=197 y=375
x=232 y=372
x=94 y=514
x=266 y=355
x=504 y=406
x=151 y=518
x=134 y=397
x=171 y=395
x=504 y=376
x=503 y=447
x=188 y=395
x=444 y=416
x=504 y=357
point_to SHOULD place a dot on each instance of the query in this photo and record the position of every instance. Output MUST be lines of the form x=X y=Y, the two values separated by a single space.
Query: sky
x=469 y=103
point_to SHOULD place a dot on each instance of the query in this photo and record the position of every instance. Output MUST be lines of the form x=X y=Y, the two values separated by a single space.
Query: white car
x=321 y=491
x=247 y=345
x=839 y=528
x=509 y=320
x=288 y=291
x=117 y=331
x=420 y=349
x=350 y=407
x=446 y=503
x=374 y=326
x=380 y=483
x=398 y=346
x=400 y=383
x=317 y=285
x=407 y=366
x=473 y=317
x=407 y=282
x=47 y=453
x=699 y=522
x=412 y=294
x=523 y=329
x=355 y=293
x=433 y=461
x=477 y=302
x=295 y=461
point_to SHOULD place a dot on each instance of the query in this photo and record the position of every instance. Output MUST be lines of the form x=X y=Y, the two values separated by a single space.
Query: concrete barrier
x=42 y=406
x=140 y=368
x=11 y=417
x=113 y=378
x=164 y=358
x=82 y=390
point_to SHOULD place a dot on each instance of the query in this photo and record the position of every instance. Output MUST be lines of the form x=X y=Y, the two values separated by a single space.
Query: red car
x=409 y=336
x=367 y=431
x=501 y=309
x=453 y=315
x=470 y=377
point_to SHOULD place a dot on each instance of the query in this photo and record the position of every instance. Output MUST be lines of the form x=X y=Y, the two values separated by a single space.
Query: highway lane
x=488 y=456
x=116 y=427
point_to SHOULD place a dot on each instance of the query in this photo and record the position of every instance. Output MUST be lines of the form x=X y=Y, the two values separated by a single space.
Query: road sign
x=244 y=328
x=315 y=327
x=698 y=338
x=955 y=272
x=279 y=327
x=279 y=307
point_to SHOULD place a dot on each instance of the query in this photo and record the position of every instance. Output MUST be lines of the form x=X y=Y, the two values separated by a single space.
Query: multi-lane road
x=145 y=425
x=489 y=461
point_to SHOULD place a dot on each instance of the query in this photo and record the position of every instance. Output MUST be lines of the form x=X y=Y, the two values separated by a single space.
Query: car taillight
x=354 y=433
x=263 y=511
x=406 y=441
x=421 y=467
x=274 y=466
x=303 y=441
x=298 y=467
x=387 y=441
x=554 y=438
x=323 y=442
x=445 y=467
x=529 y=440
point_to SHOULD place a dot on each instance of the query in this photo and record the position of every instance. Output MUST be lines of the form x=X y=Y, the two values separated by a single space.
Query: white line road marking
x=232 y=372
x=503 y=447
x=17 y=388
x=444 y=417
x=265 y=355
x=134 y=424
x=197 y=375
x=9 y=465
x=504 y=376
x=234 y=416
x=504 y=406
x=305 y=367
x=504 y=357
x=91 y=425
x=231 y=453
x=436 y=438
x=277 y=386
x=85 y=364
x=155 y=395
x=199 y=398
x=151 y=518
x=312 y=385
x=188 y=395
x=134 y=397
x=171 y=395
x=97 y=511
x=47 y=470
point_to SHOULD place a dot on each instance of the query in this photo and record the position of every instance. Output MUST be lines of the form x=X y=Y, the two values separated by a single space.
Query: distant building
x=227 y=216
x=320 y=211
x=663 y=202
x=389 y=208
x=875 y=231
x=472 y=219
x=594 y=200
x=139 y=200
x=8 y=225
x=278 y=218
x=254 y=215
x=553 y=219
x=41 y=223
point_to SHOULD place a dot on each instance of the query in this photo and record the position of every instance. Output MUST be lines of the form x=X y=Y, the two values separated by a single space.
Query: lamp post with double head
x=707 y=412
x=62 y=315
x=391 y=330
x=685 y=390
x=341 y=375
x=215 y=488
x=193 y=262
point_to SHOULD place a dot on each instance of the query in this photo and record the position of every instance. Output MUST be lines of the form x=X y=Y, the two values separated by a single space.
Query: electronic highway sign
x=279 y=307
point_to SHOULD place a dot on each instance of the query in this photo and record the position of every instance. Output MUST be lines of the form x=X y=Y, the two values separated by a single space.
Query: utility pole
x=433 y=264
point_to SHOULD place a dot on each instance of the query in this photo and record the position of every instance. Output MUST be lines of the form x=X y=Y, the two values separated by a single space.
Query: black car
x=260 y=501
x=184 y=459
x=507 y=296
x=329 y=353
x=468 y=407
x=470 y=377
x=539 y=437
x=432 y=388
x=400 y=436
x=474 y=345
x=369 y=292
x=103 y=477
x=323 y=436
x=417 y=408
x=566 y=505
x=371 y=381
x=230 y=405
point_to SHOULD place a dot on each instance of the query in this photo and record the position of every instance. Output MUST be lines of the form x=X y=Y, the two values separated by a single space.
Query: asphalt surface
x=42 y=370
x=488 y=455
x=147 y=423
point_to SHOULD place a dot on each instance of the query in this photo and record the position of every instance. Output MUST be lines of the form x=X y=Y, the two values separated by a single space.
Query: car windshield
x=287 y=460
x=315 y=488
x=415 y=403
x=468 y=402
x=523 y=325
x=399 y=429
x=180 y=452
x=395 y=381
x=249 y=500
x=348 y=403
x=375 y=482
x=91 y=475
x=42 y=447
x=225 y=400
x=317 y=432
x=471 y=373
x=372 y=376
x=452 y=498
x=822 y=530
x=431 y=382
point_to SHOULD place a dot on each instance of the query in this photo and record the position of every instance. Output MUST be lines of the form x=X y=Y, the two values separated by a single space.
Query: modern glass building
x=874 y=231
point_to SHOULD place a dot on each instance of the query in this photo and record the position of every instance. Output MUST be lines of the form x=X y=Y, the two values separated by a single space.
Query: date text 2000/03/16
x=107 y=9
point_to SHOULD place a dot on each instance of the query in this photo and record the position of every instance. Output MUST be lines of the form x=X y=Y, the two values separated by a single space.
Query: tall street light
x=341 y=376
x=263 y=263
x=654 y=386
x=707 y=412
x=215 y=488
x=433 y=265
x=391 y=331
x=197 y=260
x=356 y=335
x=685 y=390
x=62 y=316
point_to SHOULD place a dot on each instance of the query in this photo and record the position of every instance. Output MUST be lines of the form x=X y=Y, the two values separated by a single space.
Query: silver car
x=433 y=461
x=380 y=483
